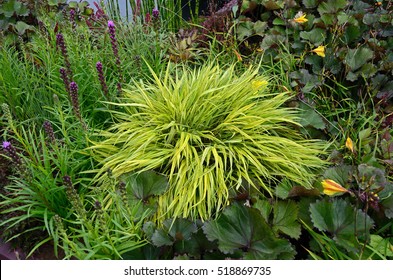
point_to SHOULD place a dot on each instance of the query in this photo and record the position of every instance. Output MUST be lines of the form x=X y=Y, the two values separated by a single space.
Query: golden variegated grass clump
x=208 y=130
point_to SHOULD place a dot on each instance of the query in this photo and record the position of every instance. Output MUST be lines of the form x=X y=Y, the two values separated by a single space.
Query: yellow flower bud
x=331 y=187
x=320 y=51
x=349 y=144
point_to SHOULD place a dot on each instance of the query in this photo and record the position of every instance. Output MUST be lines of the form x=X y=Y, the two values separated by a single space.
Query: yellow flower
x=257 y=84
x=320 y=51
x=330 y=187
x=300 y=19
x=349 y=144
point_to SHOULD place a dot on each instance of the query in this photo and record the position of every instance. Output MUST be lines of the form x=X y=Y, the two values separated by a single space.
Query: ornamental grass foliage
x=210 y=131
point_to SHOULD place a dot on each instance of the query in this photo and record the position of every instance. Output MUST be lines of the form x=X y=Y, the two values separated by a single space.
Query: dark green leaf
x=346 y=223
x=285 y=218
x=340 y=174
x=21 y=27
x=356 y=58
x=309 y=4
x=161 y=238
x=352 y=34
x=309 y=117
x=370 y=18
x=260 y=27
x=264 y=207
x=146 y=184
x=331 y=6
x=244 y=30
x=172 y=231
x=244 y=228
x=316 y=36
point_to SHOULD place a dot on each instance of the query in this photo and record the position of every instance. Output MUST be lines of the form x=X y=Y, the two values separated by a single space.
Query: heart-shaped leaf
x=243 y=228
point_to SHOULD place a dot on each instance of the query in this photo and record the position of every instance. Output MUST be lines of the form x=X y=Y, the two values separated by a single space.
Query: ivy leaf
x=343 y=221
x=172 y=231
x=356 y=58
x=244 y=228
x=145 y=184
x=285 y=218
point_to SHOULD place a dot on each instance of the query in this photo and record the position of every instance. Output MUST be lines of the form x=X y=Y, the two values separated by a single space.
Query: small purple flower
x=6 y=144
x=111 y=24
x=155 y=13
x=11 y=151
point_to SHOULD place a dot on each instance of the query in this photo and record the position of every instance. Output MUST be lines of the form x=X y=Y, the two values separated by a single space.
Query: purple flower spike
x=61 y=45
x=115 y=49
x=111 y=24
x=64 y=77
x=102 y=78
x=156 y=13
x=11 y=151
x=74 y=99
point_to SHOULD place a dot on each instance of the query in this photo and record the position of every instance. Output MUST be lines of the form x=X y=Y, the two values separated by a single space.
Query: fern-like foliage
x=209 y=130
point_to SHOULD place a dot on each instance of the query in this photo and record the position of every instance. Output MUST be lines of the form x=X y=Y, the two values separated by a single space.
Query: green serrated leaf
x=264 y=207
x=148 y=229
x=243 y=228
x=316 y=36
x=180 y=229
x=309 y=117
x=387 y=204
x=331 y=6
x=146 y=184
x=346 y=223
x=356 y=58
x=283 y=189
x=279 y=21
x=21 y=27
x=161 y=238
x=371 y=177
x=285 y=218
x=340 y=174
x=172 y=231
x=244 y=30
x=309 y=4
x=352 y=34
x=370 y=18
x=260 y=27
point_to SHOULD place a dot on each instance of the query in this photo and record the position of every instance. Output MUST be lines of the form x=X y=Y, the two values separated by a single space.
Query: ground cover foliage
x=262 y=130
